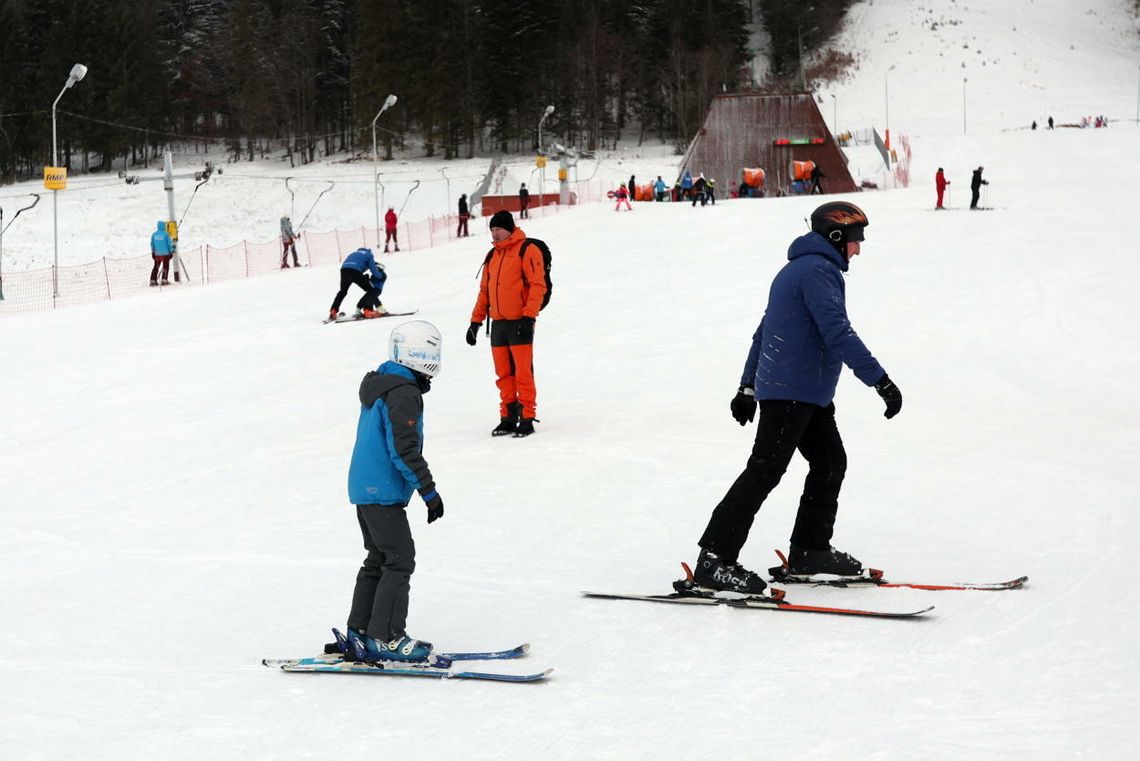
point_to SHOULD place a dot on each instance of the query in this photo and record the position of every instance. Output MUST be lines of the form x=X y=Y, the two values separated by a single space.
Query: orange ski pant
x=514 y=375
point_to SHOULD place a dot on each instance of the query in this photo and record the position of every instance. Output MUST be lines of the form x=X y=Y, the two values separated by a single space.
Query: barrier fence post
x=107 y=278
x=245 y=248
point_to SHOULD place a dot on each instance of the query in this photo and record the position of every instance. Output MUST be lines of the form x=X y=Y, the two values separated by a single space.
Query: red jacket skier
x=390 y=229
x=940 y=183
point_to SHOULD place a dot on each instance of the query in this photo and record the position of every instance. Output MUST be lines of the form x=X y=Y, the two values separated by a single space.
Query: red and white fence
x=115 y=278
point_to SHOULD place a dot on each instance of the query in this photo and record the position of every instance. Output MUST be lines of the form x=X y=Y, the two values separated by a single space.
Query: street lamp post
x=388 y=103
x=542 y=175
x=963 y=105
x=78 y=72
x=800 y=44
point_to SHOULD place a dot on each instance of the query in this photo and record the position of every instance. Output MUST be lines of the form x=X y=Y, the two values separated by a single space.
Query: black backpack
x=545 y=251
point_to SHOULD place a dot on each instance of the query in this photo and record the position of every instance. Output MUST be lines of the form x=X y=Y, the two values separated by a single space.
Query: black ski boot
x=802 y=562
x=714 y=573
x=509 y=424
x=525 y=428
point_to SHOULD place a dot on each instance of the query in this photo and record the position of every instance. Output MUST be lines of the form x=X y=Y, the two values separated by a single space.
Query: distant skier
x=1050 y=122
x=161 y=250
x=387 y=466
x=710 y=190
x=793 y=367
x=390 y=221
x=686 y=184
x=940 y=183
x=464 y=215
x=698 y=191
x=632 y=188
x=816 y=175
x=660 y=189
x=288 y=238
x=622 y=196
x=524 y=202
x=976 y=183
x=355 y=270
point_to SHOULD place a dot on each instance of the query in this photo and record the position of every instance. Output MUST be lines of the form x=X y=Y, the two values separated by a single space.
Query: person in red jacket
x=390 y=229
x=940 y=183
x=511 y=290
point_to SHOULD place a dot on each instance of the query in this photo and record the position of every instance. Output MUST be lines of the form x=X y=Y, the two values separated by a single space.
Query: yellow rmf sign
x=540 y=162
x=172 y=229
x=55 y=177
x=561 y=175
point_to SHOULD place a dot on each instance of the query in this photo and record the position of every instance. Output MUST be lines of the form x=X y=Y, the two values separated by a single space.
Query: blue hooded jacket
x=362 y=260
x=160 y=242
x=387 y=460
x=805 y=337
x=686 y=180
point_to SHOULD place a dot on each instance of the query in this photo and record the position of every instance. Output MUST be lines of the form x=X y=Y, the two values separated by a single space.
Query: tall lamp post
x=963 y=105
x=78 y=72
x=800 y=43
x=542 y=175
x=388 y=103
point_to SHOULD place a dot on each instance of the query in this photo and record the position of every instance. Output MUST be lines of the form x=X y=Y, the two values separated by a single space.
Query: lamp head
x=390 y=101
x=78 y=72
x=549 y=110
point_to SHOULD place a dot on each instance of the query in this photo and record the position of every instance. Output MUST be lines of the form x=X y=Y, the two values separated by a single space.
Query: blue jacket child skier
x=792 y=370
x=353 y=272
x=387 y=466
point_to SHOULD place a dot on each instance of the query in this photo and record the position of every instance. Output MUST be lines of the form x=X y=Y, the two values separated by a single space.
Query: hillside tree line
x=306 y=77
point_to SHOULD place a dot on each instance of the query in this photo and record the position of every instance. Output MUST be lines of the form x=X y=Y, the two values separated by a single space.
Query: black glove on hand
x=472 y=332
x=526 y=329
x=891 y=395
x=744 y=405
x=434 y=504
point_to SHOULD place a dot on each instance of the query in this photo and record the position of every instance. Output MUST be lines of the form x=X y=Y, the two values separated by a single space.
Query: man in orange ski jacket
x=511 y=291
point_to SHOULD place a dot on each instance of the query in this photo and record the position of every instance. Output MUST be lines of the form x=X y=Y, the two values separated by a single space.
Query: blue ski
x=490 y=655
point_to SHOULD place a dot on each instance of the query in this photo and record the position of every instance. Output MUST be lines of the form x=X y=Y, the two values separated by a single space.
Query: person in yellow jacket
x=511 y=291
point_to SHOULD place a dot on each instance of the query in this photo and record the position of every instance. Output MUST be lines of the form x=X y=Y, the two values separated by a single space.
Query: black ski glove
x=891 y=395
x=472 y=332
x=526 y=329
x=743 y=405
x=434 y=504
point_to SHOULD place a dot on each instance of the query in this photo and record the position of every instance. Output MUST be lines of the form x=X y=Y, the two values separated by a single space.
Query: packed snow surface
x=174 y=467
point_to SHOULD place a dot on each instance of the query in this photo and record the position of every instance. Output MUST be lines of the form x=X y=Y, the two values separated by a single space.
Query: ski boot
x=402 y=649
x=525 y=427
x=509 y=425
x=333 y=314
x=714 y=574
x=802 y=564
x=369 y=314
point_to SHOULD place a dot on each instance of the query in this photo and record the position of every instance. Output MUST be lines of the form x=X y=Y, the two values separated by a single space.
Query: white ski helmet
x=417 y=345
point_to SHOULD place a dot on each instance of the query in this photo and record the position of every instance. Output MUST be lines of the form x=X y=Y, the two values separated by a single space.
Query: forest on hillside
x=306 y=78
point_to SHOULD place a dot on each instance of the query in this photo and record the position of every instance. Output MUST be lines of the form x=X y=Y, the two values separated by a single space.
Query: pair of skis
x=687 y=592
x=352 y=318
x=335 y=663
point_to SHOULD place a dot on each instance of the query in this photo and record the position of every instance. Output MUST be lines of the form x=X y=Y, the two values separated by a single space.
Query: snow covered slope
x=173 y=501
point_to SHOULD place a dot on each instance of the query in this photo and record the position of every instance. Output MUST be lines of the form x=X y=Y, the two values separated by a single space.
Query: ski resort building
x=768 y=132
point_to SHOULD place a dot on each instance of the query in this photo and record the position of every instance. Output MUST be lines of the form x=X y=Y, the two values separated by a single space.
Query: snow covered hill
x=174 y=508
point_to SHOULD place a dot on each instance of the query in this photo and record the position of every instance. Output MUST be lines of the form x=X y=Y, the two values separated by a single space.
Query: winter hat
x=503 y=219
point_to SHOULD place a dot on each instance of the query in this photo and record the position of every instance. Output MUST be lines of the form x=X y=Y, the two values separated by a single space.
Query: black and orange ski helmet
x=839 y=222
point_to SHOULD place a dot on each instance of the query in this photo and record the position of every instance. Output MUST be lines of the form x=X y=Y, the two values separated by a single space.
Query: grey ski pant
x=380 y=599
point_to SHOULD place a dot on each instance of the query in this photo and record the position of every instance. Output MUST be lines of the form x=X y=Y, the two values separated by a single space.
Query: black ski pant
x=380 y=599
x=784 y=427
x=349 y=277
x=974 y=194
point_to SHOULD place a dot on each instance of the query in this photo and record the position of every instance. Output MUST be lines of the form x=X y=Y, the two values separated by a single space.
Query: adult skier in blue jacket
x=387 y=466
x=354 y=271
x=791 y=372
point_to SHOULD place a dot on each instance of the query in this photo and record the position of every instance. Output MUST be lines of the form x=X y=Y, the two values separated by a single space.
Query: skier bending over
x=387 y=465
x=792 y=369
x=352 y=272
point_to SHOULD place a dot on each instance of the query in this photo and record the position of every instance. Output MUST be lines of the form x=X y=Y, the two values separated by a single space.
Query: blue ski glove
x=434 y=504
